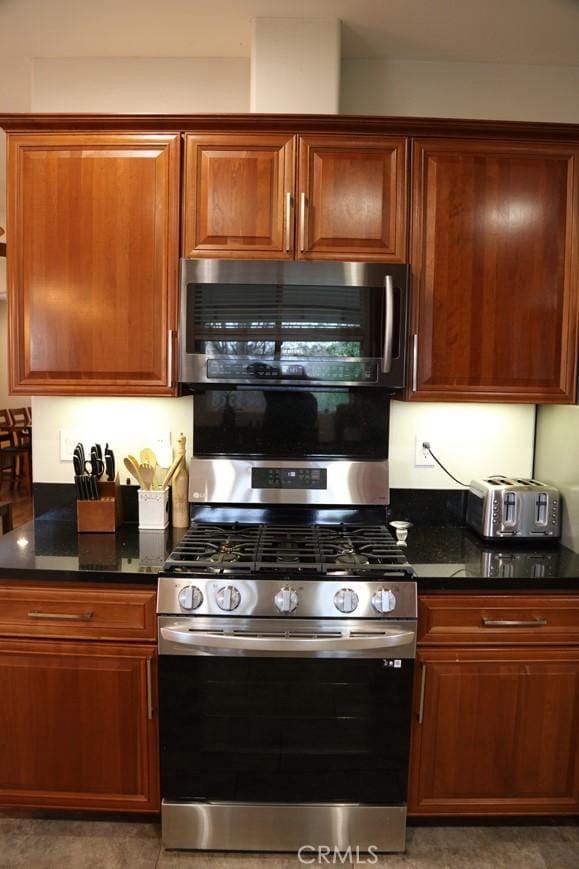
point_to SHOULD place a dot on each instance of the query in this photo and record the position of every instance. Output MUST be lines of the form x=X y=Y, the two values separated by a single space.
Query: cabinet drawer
x=100 y=614
x=498 y=619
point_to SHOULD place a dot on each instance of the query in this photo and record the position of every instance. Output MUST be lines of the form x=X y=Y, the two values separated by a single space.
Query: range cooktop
x=319 y=550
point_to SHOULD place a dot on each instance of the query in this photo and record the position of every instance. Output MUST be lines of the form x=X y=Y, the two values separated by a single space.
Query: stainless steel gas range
x=287 y=637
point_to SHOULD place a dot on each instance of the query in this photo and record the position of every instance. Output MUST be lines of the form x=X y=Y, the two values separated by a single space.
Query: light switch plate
x=68 y=440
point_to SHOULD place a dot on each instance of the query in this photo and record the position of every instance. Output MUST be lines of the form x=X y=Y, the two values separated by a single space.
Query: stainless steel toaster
x=509 y=507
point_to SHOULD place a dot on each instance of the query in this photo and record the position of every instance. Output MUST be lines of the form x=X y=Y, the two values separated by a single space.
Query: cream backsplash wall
x=127 y=424
x=472 y=439
x=557 y=462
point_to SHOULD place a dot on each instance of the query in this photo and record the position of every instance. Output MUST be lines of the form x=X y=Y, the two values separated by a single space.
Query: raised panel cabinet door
x=494 y=270
x=78 y=726
x=352 y=198
x=93 y=262
x=239 y=196
x=496 y=732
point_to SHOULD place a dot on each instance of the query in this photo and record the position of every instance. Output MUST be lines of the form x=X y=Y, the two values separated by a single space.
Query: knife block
x=104 y=515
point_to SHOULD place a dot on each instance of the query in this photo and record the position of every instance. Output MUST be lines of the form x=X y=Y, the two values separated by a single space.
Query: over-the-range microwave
x=293 y=323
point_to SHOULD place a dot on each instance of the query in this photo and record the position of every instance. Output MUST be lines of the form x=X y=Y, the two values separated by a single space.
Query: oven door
x=263 y=714
x=289 y=323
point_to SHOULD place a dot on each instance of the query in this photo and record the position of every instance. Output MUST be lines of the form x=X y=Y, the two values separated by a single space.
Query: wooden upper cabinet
x=494 y=270
x=93 y=262
x=238 y=199
x=352 y=198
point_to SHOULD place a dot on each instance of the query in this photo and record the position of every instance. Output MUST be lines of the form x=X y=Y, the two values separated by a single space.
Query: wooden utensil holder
x=104 y=515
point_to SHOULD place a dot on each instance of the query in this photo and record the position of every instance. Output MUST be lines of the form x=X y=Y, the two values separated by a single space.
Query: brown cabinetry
x=238 y=196
x=93 y=262
x=494 y=263
x=78 y=726
x=496 y=725
x=352 y=198
x=241 y=199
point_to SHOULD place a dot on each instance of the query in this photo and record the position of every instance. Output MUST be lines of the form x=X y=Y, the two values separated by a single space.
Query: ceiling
x=544 y=32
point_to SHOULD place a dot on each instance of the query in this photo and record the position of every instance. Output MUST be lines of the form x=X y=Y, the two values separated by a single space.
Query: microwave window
x=284 y=321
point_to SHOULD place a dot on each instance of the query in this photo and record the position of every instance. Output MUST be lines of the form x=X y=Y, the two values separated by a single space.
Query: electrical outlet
x=423 y=459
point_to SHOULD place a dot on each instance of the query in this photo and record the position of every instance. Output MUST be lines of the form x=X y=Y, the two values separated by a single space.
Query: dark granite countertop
x=52 y=549
x=455 y=559
x=446 y=558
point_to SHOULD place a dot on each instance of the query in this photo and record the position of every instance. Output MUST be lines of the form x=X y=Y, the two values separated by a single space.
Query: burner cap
x=349 y=557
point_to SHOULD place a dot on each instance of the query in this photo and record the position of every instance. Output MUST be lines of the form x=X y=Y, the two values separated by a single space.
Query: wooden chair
x=15 y=452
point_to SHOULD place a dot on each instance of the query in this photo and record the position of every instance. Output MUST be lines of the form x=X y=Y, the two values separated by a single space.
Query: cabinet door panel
x=236 y=196
x=499 y=733
x=352 y=198
x=74 y=727
x=495 y=270
x=93 y=262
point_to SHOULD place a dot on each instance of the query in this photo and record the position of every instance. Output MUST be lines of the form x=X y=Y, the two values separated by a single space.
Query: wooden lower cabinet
x=78 y=726
x=495 y=732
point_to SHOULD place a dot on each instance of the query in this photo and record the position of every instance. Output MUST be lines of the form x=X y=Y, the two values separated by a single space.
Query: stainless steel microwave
x=293 y=323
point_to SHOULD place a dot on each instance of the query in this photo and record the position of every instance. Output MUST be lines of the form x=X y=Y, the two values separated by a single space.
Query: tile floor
x=41 y=843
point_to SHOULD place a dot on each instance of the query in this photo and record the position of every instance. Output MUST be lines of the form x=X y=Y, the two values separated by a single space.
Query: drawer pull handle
x=149 y=690
x=71 y=617
x=514 y=623
x=422 y=690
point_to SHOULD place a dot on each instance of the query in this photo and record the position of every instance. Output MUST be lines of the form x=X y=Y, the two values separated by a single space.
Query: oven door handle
x=388 y=324
x=376 y=642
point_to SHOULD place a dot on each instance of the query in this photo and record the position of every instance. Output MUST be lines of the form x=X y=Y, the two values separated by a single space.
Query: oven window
x=284 y=730
x=292 y=423
x=284 y=321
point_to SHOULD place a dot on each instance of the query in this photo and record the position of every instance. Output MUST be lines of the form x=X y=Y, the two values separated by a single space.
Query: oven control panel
x=378 y=598
x=289 y=478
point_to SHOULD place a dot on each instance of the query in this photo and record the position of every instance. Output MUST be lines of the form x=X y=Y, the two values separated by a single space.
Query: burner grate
x=332 y=550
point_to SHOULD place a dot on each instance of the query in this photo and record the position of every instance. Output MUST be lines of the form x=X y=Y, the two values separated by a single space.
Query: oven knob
x=383 y=600
x=190 y=597
x=346 y=600
x=228 y=598
x=286 y=600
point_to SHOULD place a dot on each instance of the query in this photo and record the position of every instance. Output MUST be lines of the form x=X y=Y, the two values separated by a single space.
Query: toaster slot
x=509 y=508
x=542 y=509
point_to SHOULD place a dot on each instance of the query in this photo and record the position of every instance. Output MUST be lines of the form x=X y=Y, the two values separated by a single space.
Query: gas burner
x=351 y=558
x=226 y=554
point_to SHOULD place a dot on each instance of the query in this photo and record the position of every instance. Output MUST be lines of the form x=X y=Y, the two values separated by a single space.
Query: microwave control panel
x=289 y=478
x=336 y=371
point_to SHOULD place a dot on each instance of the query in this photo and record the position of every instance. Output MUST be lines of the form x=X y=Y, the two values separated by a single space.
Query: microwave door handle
x=379 y=642
x=388 y=324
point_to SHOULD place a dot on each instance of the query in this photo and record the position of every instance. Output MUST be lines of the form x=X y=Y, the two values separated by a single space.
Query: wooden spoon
x=132 y=467
x=148 y=457
x=147 y=473
x=171 y=472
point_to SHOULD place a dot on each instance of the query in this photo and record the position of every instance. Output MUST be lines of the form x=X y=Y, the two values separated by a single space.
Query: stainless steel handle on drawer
x=388 y=324
x=207 y=640
x=71 y=617
x=170 y=358
x=288 y=216
x=303 y=206
x=513 y=623
x=149 y=690
x=414 y=363
x=422 y=691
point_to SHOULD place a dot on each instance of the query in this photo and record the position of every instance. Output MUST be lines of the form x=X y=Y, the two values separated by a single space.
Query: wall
x=460 y=90
x=557 y=462
x=472 y=440
x=132 y=84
